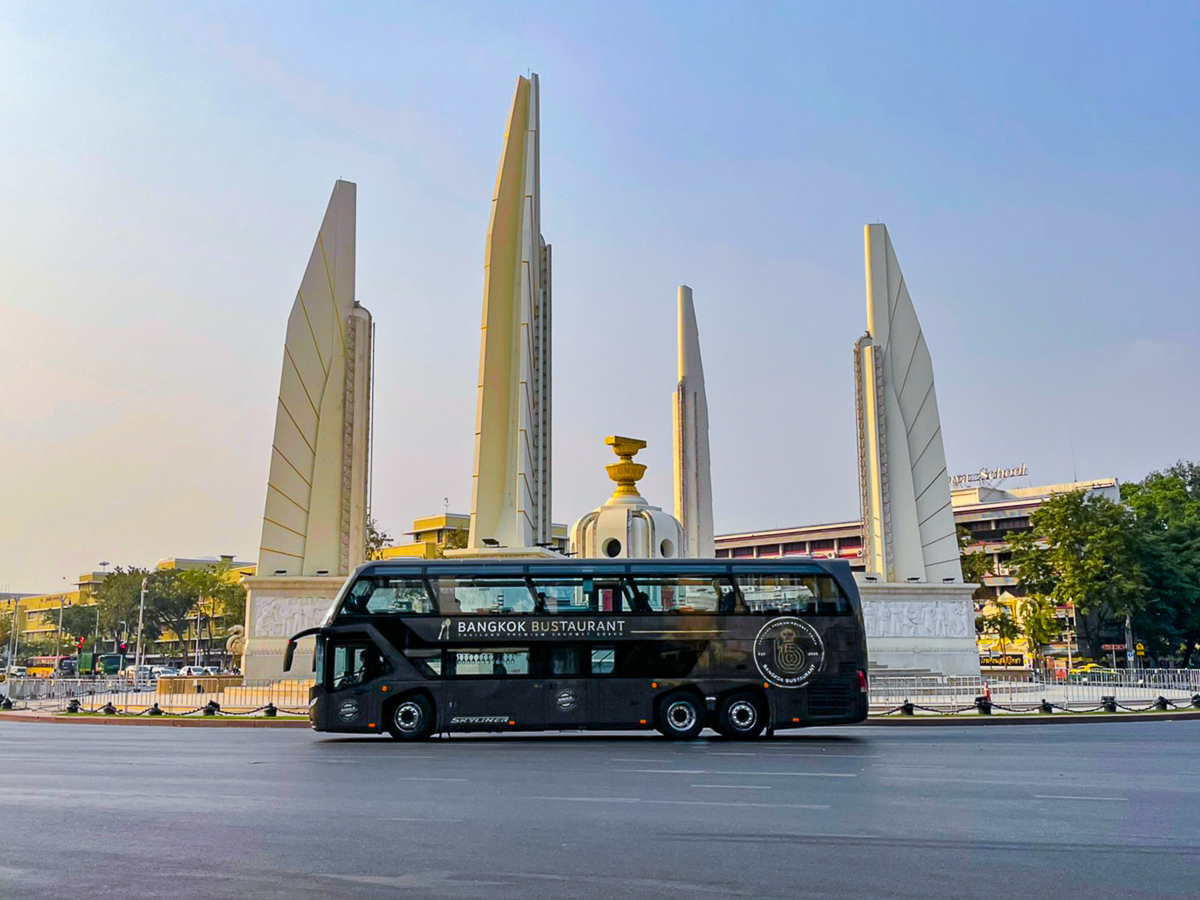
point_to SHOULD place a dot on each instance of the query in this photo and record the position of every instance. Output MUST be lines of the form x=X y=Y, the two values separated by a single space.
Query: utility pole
x=137 y=654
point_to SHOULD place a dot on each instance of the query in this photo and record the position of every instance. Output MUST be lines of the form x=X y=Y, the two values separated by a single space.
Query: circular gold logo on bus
x=788 y=652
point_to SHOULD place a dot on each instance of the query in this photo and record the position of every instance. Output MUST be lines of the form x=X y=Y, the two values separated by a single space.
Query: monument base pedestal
x=276 y=608
x=919 y=627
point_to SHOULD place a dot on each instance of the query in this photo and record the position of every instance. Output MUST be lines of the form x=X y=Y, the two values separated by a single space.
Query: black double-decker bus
x=418 y=648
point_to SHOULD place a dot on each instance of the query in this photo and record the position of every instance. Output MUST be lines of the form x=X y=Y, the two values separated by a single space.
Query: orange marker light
x=766 y=685
x=654 y=684
x=384 y=688
x=795 y=720
x=511 y=722
x=641 y=721
x=372 y=725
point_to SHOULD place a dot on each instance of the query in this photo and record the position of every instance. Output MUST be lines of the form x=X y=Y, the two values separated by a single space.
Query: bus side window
x=603 y=660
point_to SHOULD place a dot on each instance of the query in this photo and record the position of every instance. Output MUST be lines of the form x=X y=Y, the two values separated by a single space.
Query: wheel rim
x=409 y=717
x=743 y=715
x=681 y=716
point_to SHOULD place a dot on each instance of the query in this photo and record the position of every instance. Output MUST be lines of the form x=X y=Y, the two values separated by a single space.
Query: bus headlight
x=348 y=710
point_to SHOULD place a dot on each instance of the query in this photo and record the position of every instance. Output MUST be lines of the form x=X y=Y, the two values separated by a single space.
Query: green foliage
x=975 y=566
x=1084 y=549
x=1039 y=621
x=1002 y=624
x=456 y=539
x=79 y=620
x=377 y=539
x=1167 y=507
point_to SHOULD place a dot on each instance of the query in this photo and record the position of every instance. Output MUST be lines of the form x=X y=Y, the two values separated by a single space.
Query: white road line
x=740 y=803
x=419 y=819
x=665 y=771
x=416 y=778
x=635 y=759
x=1064 y=797
x=754 y=774
x=739 y=787
x=727 y=753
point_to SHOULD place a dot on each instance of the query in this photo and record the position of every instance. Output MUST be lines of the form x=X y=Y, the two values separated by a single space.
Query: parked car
x=212 y=670
x=192 y=672
x=138 y=673
x=164 y=671
x=16 y=671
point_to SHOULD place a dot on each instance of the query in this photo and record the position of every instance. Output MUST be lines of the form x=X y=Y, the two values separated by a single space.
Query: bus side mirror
x=289 y=653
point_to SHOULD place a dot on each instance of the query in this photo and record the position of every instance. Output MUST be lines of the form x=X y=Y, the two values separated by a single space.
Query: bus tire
x=680 y=716
x=741 y=715
x=411 y=718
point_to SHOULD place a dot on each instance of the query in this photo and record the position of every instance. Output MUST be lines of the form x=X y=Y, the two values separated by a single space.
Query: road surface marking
x=739 y=787
x=1065 y=797
x=756 y=774
x=740 y=803
x=417 y=778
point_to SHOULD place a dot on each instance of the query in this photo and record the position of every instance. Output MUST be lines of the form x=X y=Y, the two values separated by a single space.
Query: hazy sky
x=164 y=168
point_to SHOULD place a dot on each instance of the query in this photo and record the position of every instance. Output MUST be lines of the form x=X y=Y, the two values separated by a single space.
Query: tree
x=118 y=596
x=218 y=598
x=1040 y=624
x=1083 y=549
x=456 y=539
x=79 y=621
x=1167 y=507
x=1002 y=624
x=975 y=566
x=377 y=539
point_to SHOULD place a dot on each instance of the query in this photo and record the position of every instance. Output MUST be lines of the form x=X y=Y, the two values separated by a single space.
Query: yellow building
x=433 y=534
x=35 y=617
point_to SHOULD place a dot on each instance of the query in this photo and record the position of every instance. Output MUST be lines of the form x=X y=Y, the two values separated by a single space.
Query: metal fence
x=168 y=696
x=945 y=693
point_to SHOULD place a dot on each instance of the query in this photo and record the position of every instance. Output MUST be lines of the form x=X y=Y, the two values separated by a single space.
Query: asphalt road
x=1063 y=812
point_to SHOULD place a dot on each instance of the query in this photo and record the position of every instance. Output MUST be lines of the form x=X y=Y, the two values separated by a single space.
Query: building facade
x=988 y=514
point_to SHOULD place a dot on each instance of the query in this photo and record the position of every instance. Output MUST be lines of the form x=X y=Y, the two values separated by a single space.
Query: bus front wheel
x=411 y=718
x=681 y=716
x=741 y=715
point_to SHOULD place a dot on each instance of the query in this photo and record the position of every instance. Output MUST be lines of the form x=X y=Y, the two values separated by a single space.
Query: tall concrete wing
x=510 y=491
x=315 y=517
x=693 y=480
x=908 y=524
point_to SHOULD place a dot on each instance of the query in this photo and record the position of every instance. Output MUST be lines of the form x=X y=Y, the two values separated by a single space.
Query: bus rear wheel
x=741 y=716
x=411 y=718
x=681 y=716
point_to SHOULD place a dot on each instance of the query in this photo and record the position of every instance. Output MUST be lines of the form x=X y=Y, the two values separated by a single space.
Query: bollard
x=984 y=705
x=212 y=708
x=270 y=710
x=5 y=703
x=1109 y=704
x=108 y=709
x=72 y=705
x=1161 y=704
x=1196 y=701
x=1046 y=707
x=154 y=710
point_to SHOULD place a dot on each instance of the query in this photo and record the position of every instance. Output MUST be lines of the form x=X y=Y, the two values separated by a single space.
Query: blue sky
x=164 y=169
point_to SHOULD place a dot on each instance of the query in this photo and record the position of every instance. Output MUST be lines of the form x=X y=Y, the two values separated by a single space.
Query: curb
x=1059 y=718
x=157 y=722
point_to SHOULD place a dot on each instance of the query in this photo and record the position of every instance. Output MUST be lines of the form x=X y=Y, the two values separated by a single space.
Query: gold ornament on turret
x=626 y=472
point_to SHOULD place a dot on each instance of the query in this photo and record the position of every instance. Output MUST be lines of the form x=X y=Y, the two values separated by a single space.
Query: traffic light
x=80 y=642
x=122 y=646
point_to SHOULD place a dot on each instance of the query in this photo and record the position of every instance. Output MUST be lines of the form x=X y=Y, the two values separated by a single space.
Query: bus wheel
x=411 y=718
x=741 y=716
x=681 y=716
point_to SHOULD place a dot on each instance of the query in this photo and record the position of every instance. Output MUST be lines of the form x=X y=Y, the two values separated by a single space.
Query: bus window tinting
x=379 y=594
x=811 y=595
x=490 y=663
x=494 y=596
x=680 y=594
